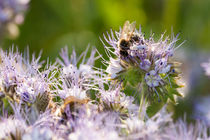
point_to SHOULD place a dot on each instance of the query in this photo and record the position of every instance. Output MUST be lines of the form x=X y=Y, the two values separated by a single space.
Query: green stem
x=143 y=100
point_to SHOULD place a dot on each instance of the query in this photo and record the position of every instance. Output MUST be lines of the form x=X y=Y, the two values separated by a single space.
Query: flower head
x=22 y=80
x=115 y=100
x=77 y=75
x=139 y=60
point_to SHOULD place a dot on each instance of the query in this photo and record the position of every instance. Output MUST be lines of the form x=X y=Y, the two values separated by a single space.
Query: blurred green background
x=52 y=24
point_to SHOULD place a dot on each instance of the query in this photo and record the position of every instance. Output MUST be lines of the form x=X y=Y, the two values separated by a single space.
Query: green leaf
x=172 y=88
x=153 y=108
x=133 y=76
x=171 y=97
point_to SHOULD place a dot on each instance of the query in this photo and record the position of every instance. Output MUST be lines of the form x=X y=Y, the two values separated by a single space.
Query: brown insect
x=125 y=37
x=72 y=101
x=74 y=105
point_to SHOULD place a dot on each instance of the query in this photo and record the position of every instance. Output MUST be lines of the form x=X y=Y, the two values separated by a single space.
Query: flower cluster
x=75 y=81
x=72 y=99
x=143 y=64
x=21 y=80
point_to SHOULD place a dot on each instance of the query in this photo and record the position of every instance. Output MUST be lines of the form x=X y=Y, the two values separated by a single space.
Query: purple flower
x=22 y=80
x=117 y=100
x=146 y=54
x=77 y=75
x=152 y=79
x=132 y=57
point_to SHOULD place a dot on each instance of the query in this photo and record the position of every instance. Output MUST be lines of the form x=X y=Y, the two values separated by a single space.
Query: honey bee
x=74 y=104
x=125 y=38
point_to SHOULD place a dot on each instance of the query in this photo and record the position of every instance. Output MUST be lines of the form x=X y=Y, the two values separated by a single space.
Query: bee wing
x=132 y=27
x=128 y=29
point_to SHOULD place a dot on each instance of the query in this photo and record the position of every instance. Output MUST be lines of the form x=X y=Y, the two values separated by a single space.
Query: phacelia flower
x=136 y=61
x=115 y=100
x=77 y=78
x=21 y=79
x=77 y=75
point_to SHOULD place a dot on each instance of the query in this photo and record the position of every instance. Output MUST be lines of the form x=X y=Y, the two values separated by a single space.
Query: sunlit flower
x=114 y=68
